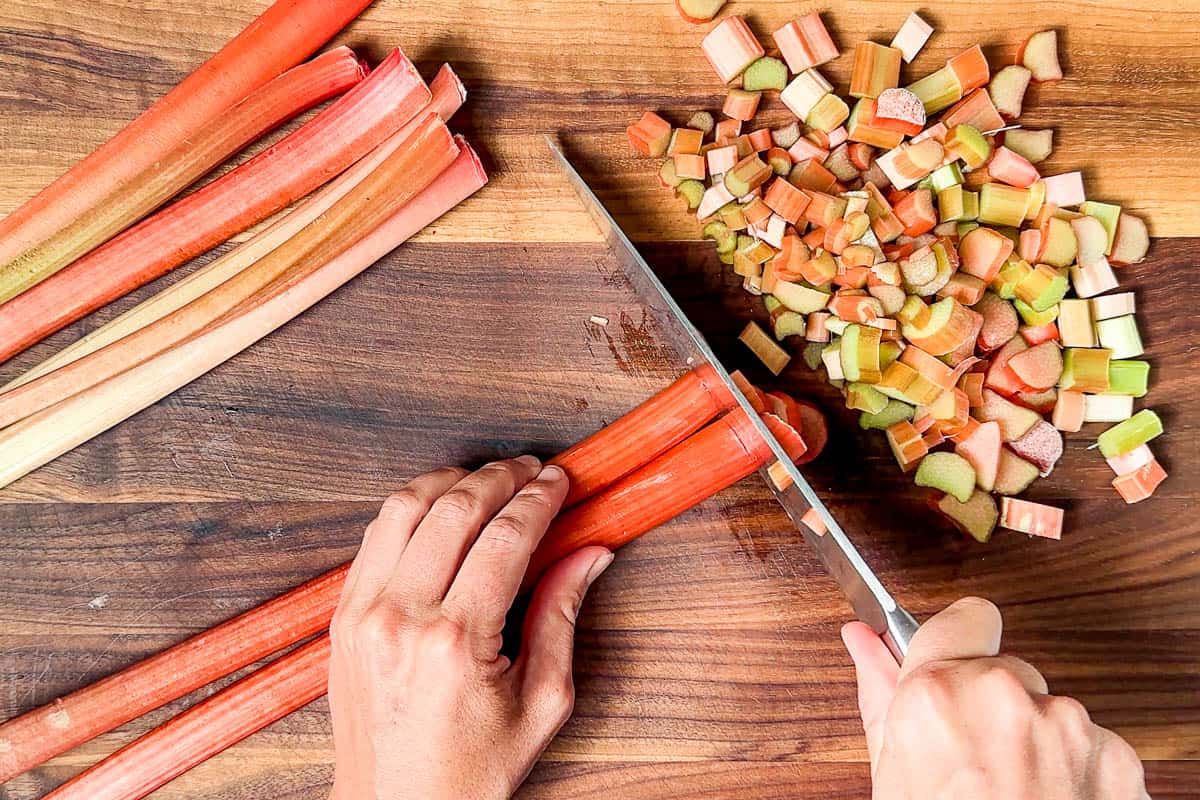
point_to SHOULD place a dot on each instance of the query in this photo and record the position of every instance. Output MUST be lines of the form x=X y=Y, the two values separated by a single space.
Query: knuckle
x=457 y=504
x=377 y=630
x=444 y=641
x=1002 y=683
x=558 y=701
x=403 y=504
x=505 y=533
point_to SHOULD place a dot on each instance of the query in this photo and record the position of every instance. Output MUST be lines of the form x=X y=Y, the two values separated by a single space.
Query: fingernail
x=598 y=567
x=551 y=473
x=530 y=461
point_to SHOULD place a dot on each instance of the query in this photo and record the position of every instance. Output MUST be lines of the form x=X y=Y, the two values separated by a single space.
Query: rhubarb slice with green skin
x=1132 y=433
x=1014 y=475
x=1035 y=145
x=699 y=12
x=895 y=411
x=327 y=145
x=766 y=73
x=1015 y=421
x=1085 y=369
x=977 y=517
x=281 y=38
x=949 y=472
x=1129 y=377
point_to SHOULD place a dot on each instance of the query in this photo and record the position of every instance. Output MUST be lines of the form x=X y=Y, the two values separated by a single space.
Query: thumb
x=877 y=673
x=548 y=640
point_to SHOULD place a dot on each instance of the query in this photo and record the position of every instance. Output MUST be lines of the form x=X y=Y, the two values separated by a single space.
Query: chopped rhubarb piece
x=1068 y=411
x=1059 y=245
x=727 y=130
x=1111 y=305
x=1065 y=190
x=1093 y=279
x=1131 y=242
x=828 y=114
x=1013 y=169
x=689 y=167
x=1139 y=485
x=1120 y=335
x=1091 y=238
x=937 y=90
x=949 y=472
x=698 y=12
x=1107 y=407
x=978 y=110
x=774 y=357
x=1030 y=244
x=786 y=200
x=1042 y=446
x=912 y=36
x=715 y=197
x=900 y=110
x=805 y=43
x=1135 y=459
x=917 y=213
x=1039 y=54
x=1035 y=145
x=951 y=326
x=982 y=450
x=687 y=141
x=1038 y=334
x=907 y=445
x=1002 y=205
x=650 y=135
x=977 y=517
x=765 y=73
x=1085 y=370
x=731 y=47
x=982 y=253
x=1015 y=474
x=816 y=330
x=804 y=149
x=999 y=322
x=1014 y=420
x=741 y=104
x=876 y=67
x=970 y=67
x=1128 y=377
x=804 y=92
x=1007 y=90
x=721 y=159
x=1133 y=432
x=760 y=140
x=702 y=121
x=1032 y=518
x=1039 y=367
x=812 y=520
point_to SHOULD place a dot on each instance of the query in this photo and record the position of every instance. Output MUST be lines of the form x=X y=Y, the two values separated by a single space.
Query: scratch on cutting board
x=112 y=642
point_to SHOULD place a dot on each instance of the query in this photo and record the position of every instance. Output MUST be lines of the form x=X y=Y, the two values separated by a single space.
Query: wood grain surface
x=709 y=664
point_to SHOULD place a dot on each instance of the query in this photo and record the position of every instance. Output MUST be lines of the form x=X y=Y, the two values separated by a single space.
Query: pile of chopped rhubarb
x=962 y=301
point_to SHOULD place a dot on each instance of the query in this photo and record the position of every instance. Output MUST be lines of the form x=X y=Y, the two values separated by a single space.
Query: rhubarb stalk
x=414 y=165
x=707 y=462
x=286 y=33
x=319 y=151
x=39 y=735
x=448 y=96
x=292 y=93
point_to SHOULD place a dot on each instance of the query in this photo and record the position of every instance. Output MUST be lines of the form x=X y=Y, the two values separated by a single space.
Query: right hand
x=958 y=720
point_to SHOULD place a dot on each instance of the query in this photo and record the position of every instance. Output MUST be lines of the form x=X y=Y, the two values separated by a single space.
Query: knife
x=871 y=602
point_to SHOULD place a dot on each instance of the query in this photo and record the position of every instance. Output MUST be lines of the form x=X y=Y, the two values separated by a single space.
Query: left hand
x=424 y=706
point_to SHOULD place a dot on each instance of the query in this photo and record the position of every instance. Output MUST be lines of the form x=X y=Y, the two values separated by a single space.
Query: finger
x=876 y=670
x=444 y=536
x=548 y=640
x=1029 y=676
x=485 y=587
x=968 y=628
x=387 y=536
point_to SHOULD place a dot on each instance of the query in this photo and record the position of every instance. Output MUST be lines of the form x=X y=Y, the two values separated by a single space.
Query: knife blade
x=869 y=599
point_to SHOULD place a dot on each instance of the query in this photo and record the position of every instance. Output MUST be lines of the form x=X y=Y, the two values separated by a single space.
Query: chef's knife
x=872 y=603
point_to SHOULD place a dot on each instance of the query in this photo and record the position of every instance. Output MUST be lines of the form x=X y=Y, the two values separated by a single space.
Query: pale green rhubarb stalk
x=448 y=96
x=44 y=436
x=286 y=33
x=420 y=158
x=313 y=155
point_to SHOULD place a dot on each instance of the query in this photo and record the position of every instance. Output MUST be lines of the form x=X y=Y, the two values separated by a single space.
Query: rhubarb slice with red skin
x=982 y=451
x=1039 y=367
x=326 y=146
x=1035 y=519
x=1042 y=446
x=283 y=36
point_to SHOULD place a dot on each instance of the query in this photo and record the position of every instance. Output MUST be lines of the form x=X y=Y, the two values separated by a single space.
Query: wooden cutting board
x=709 y=664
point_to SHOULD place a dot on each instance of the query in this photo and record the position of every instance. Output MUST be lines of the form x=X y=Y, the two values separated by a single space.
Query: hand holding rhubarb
x=423 y=704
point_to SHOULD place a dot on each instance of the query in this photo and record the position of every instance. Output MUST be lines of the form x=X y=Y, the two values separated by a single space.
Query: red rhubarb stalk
x=403 y=175
x=705 y=463
x=292 y=93
x=335 y=139
x=41 y=734
x=448 y=96
x=286 y=33
x=653 y=428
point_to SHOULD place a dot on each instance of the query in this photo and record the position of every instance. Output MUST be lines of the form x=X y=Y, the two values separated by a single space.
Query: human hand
x=959 y=720
x=423 y=704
